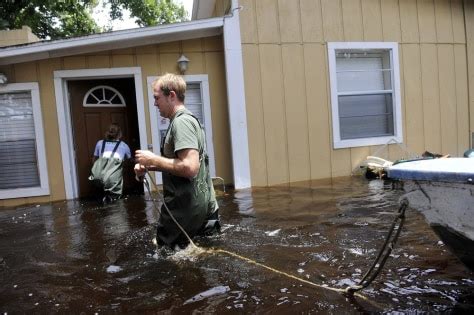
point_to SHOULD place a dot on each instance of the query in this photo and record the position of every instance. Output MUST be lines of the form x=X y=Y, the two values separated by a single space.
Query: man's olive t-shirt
x=190 y=201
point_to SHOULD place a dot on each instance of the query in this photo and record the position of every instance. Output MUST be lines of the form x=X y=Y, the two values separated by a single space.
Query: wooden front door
x=95 y=104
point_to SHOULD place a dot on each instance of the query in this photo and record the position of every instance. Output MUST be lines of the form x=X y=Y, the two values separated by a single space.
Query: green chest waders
x=106 y=173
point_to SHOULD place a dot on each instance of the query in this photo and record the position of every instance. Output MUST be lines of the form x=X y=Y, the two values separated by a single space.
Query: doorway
x=94 y=105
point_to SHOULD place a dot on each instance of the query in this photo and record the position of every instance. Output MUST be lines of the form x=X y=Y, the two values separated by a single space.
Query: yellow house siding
x=206 y=57
x=426 y=21
x=462 y=98
x=274 y=114
x=311 y=21
x=296 y=112
x=409 y=21
x=353 y=21
x=444 y=25
x=457 y=14
x=248 y=18
x=318 y=110
x=431 y=107
x=447 y=96
x=391 y=21
x=372 y=17
x=255 y=116
x=289 y=18
x=435 y=91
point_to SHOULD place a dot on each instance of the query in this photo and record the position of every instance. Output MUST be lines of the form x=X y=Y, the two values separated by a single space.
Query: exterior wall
x=284 y=46
x=16 y=37
x=221 y=7
x=206 y=57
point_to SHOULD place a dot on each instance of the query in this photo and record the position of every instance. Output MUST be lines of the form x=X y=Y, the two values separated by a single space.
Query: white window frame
x=43 y=189
x=396 y=99
x=206 y=103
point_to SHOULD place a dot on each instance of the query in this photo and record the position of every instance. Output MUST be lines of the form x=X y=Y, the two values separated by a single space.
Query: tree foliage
x=53 y=19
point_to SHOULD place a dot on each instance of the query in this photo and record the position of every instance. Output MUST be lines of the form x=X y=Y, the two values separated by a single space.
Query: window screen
x=18 y=155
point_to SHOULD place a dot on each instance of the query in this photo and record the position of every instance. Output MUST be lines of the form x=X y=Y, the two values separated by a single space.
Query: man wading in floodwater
x=187 y=186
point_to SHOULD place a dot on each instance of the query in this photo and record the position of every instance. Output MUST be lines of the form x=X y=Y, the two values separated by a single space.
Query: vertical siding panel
x=352 y=20
x=316 y=74
x=409 y=21
x=75 y=62
x=457 y=14
x=24 y=73
x=311 y=21
x=444 y=25
x=290 y=21
x=341 y=162
x=196 y=63
x=98 y=61
x=274 y=114
x=431 y=109
x=332 y=20
x=255 y=118
x=267 y=21
x=413 y=98
x=462 y=102
x=168 y=62
x=215 y=66
x=173 y=47
x=358 y=155
x=391 y=20
x=248 y=25
x=447 y=92
x=122 y=60
x=372 y=18
x=51 y=128
x=296 y=113
x=426 y=18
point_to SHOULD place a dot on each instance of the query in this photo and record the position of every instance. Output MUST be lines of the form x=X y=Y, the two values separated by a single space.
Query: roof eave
x=113 y=40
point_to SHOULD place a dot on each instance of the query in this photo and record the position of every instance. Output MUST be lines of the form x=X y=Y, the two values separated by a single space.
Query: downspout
x=236 y=98
x=469 y=27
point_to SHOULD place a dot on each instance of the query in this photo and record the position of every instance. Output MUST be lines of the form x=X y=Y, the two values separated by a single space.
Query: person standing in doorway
x=187 y=185
x=107 y=170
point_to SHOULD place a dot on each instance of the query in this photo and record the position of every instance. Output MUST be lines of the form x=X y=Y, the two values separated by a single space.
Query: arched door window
x=103 y=96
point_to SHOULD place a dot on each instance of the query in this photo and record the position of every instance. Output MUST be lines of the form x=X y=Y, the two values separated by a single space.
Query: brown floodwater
x=78 y=256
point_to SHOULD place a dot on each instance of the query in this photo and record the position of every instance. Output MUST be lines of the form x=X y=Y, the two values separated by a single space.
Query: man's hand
x=139 y=170
x=145 y=157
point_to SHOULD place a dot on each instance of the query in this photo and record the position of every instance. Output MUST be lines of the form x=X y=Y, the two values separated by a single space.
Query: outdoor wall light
x=3 y=79
x=183 y=64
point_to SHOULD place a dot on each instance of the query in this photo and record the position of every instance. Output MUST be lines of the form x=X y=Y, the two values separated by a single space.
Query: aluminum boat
x=443 y=191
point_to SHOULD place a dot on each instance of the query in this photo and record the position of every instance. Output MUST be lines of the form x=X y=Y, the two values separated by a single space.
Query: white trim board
x=64 y=115
x=236 y=98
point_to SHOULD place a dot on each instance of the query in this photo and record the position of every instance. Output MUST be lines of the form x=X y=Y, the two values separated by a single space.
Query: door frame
x=63 y=108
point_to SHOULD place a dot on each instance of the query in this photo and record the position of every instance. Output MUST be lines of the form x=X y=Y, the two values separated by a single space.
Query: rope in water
x=375 y=269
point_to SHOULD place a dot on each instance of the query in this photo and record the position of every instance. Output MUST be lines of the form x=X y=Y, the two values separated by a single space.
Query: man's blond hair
x=171 y=82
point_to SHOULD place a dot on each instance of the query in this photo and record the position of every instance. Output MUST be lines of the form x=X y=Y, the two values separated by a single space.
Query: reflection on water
x=78 y=256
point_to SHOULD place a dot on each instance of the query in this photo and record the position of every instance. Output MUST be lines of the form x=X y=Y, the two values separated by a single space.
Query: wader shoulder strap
x=113 y=151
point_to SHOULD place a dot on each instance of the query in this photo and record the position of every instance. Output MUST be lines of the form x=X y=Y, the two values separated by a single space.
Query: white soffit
x=111 y=40
x=202 y=9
